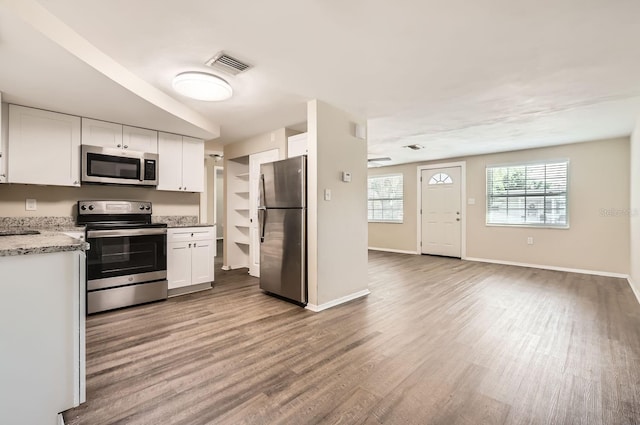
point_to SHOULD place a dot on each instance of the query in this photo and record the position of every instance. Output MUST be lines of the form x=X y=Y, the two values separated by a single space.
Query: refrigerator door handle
x=263 y=201
x=262 y=215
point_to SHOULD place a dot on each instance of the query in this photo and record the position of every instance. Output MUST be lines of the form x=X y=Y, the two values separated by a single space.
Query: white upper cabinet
x=297 y=145
x=43 y=147
x=192 y=164
x=139 y=139
x=101 y=133
x=118 y=136
x=169 y=161
x=181 y=163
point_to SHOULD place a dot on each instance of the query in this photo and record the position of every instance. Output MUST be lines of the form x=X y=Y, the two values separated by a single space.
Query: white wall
x=596 y=241
x=634 y=211
x=337 y=229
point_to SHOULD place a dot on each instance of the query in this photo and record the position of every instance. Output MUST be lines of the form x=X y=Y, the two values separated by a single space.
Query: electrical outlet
x=530 y=240
x=30 y=205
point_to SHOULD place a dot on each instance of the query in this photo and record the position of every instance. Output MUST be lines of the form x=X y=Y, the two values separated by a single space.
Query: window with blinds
x=528 y=194
x=385 y=203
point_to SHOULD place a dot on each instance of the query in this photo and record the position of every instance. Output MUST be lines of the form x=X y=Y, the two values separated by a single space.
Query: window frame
x=393 y=221
x=545 y=162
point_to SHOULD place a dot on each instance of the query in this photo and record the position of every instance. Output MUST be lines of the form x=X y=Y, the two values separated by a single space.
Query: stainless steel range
x=127 y=261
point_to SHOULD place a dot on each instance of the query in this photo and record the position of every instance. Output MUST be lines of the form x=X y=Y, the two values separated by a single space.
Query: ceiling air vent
x=225 y=63
x=414 y=147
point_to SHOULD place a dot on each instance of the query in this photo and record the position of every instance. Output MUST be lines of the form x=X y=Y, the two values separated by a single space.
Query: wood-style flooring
x=438 y=341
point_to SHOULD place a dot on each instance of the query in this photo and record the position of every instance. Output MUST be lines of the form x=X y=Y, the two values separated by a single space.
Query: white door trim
x=463 y=203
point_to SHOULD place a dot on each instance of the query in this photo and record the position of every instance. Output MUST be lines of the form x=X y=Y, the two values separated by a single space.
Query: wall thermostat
x=346 y=177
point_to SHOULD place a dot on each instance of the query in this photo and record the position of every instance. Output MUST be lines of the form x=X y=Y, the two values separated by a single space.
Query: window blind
x=528 y=194
x=386 y=198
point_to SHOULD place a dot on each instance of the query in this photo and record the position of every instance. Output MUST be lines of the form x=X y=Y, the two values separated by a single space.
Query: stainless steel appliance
x=127 y=259
x=115 y=166
x=282 y=215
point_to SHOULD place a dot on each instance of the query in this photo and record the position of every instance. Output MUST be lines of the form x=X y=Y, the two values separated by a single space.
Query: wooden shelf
x=242 y=226
x=243 y=242
x=242 y=176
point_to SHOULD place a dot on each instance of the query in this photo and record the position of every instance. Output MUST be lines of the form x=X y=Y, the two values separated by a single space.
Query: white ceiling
x=457 y=77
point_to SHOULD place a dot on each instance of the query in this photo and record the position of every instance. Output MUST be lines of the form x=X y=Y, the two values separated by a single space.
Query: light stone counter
x=46 y=241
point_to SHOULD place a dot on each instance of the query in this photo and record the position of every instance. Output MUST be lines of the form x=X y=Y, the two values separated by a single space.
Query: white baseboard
x=636 y=292
x=60 y=419
x=555 y=268
x=342 y=300
x=238 y=266
x=397 y=251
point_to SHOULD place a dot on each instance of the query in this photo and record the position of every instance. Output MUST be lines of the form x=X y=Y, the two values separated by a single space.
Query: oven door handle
x=124 y=232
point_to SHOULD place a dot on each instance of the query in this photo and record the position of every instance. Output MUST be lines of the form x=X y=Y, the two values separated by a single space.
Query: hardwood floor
x=438 y=341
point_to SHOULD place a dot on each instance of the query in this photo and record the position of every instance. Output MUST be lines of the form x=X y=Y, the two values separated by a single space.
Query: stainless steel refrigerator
x=282 y=216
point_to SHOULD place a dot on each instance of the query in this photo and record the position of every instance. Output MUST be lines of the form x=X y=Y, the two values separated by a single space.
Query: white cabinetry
x=297 y=145
x=118 y=136
x=43 y=147
x=242 y=235
x=139 y=139
x=101 y=133
x=181 y=163
x=237 y=240
x=190 y=257
x=42 y=324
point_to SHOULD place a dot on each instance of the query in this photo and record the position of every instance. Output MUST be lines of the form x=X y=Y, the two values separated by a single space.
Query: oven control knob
x=141 y=207
x=83 y=208
x=147 y=208
x=91 y=207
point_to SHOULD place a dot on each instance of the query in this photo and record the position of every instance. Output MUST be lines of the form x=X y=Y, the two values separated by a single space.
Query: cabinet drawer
x=190 y=234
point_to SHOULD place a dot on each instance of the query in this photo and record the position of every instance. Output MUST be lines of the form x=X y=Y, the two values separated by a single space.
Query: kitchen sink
x=18 y=232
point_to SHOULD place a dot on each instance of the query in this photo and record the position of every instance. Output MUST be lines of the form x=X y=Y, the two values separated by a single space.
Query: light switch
x=346 y=176
x=327 y=194
x=31 y=205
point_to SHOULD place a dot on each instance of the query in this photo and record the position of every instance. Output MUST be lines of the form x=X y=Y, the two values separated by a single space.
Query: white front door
x=441 y=212
x=255 y=161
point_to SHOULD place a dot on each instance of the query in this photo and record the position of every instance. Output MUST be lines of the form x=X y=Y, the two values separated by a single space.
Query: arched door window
x=440 y=178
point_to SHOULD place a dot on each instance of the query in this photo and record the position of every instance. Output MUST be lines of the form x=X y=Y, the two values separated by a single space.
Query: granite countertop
x=45 y=242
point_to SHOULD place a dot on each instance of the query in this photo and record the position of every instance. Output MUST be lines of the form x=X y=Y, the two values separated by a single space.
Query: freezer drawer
x=283 y=253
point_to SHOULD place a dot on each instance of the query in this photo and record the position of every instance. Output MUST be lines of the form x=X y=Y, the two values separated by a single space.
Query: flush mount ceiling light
x=202 y=86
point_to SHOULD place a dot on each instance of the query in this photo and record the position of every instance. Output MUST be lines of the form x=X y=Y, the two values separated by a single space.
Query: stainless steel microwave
x=115 y=166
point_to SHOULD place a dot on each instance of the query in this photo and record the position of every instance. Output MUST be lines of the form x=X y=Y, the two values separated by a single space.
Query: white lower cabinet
x=190 y=257
x=42 y=335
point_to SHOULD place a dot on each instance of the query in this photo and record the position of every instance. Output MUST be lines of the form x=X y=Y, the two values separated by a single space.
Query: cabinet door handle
x=185 y=188
x=126 y=147
x=194 y=244
x=119 y=146
x=180 y=188
x=189 y=245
